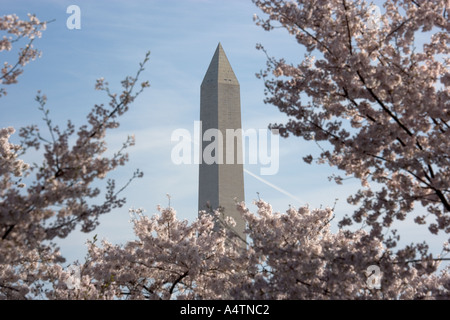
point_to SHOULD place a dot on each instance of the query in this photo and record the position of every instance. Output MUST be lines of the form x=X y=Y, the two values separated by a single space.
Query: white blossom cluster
x=376 y=100
x=291 y=255
x=15 y=30
x=60 y=193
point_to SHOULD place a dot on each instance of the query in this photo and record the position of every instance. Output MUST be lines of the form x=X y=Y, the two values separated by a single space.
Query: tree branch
x=181 y=277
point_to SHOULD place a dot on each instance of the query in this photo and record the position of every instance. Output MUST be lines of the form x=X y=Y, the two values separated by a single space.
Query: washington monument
x=221 y=182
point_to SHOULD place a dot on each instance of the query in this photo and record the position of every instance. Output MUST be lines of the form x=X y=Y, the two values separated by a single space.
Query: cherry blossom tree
x=291 y=255
x=374 y=94
x=17 y=30
x=45 y=201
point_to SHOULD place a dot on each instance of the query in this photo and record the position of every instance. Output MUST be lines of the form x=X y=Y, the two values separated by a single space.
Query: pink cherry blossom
x=15 y=30
x=291 y=255
x=375 y=99
x=46 y=201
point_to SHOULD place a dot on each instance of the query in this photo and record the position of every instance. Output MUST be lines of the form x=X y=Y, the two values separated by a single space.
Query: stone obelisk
x=221 y=183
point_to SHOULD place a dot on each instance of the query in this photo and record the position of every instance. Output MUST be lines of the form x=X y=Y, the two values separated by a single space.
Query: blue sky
x=182 y=36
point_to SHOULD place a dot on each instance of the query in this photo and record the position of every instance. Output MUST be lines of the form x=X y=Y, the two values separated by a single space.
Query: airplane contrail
x=274 y=186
